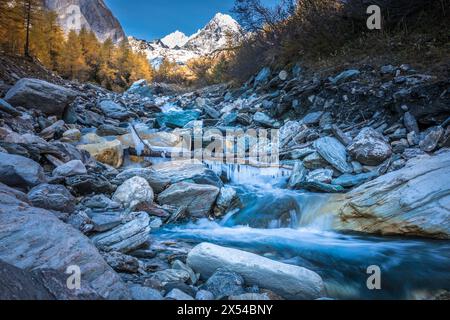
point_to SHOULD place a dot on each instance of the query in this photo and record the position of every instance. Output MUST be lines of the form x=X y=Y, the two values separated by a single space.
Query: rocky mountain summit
x=91 y=14
x=86 y=177
x=221 y=31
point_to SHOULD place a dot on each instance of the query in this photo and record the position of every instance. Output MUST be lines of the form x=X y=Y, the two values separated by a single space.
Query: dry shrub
x=317 y=30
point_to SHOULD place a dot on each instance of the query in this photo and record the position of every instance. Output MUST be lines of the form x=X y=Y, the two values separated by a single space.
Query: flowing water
x=296 y=228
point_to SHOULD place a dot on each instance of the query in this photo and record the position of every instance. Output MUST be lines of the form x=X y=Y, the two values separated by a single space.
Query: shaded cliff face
x=91 y=14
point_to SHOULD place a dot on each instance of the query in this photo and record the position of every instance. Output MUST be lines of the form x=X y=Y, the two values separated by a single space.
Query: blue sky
x=151 y=19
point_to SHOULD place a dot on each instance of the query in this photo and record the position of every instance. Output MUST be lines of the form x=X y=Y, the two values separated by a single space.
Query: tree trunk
x=28 y=23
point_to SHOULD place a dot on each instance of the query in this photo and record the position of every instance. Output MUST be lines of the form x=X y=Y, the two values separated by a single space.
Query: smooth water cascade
x=296 y=228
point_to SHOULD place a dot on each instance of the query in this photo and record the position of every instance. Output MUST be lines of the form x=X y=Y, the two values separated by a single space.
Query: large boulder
x=413 y=201
x=52 y=197
x=126 y=237
x=334 y=152
x=370 y=147
x=44 y=284
x=109 y=152
x=33 y=238
x=198 y=199
x=289 y=281
x=38 y=94
x=20 y=172
x=134 y=192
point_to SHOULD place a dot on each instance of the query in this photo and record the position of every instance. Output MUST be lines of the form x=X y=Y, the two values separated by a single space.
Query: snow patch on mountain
x=175 y=39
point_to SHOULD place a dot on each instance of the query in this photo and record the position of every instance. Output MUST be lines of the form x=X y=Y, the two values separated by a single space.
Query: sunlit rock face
x=91 y=14
x=413 y=201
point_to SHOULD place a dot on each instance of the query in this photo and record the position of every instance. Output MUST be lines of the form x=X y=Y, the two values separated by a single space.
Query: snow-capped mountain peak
x=175 y=39
x=220 y=31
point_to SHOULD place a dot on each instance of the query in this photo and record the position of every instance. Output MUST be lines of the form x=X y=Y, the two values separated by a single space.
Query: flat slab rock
x=289 y=281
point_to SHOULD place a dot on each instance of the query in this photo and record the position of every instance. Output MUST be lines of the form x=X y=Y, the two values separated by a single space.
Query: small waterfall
x=138 y=144
x=249 y=175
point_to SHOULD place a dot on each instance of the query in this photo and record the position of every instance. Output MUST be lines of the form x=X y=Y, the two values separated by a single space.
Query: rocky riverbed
x=90 y=178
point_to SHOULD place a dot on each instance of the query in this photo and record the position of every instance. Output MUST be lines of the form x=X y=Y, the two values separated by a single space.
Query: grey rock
x=411 y=153
x=133 y=192
x=410 y=123
x=413 y=201
x=300 y=154
x=370 y=148
x=140 y=88
x=210 y=111
x=225 y=200
x=141 y=293
x=178 y=265
x=291 y=282
x=400 y=146
x=6 y=107
x=318 y=186
x=320 y=175
x=127 y=237
x=203 y=295
x=345 y=75
x=264 y=120
x=71 y=135
x=88 y=183
x=334 y=152
x=314 y=161
x=122 y=262
x=263 y=76
x=171 y=275
x=100 y=202
x=431 y=139
x=110 y=130
x=114 y=110
x=179 y=295
x=312 y=118
x=198 y=199
x=48 y=243
x=224 y=283
x=55 y=129
x=104 y=221
x=251 y=297
x=42 y=284
x=20 y=172
x=298 y=176
x=38 y=94
x=230 y=118
x=412 y=138
x=388 y=69
x=349 y=180
x=341 y=135
x=71 y=168
x=52 y=197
